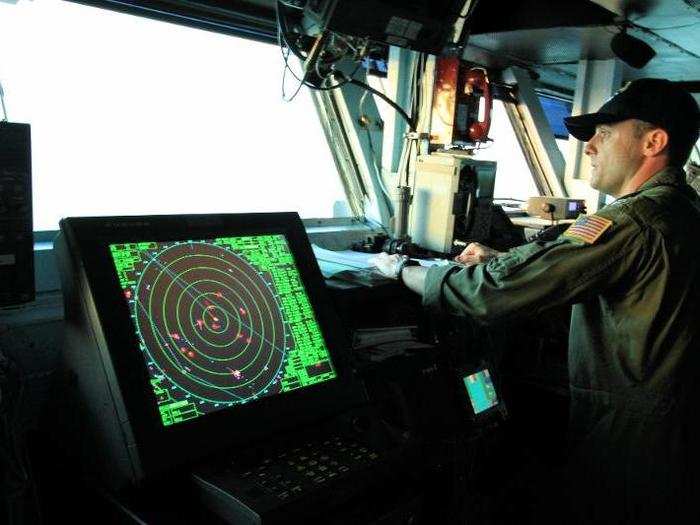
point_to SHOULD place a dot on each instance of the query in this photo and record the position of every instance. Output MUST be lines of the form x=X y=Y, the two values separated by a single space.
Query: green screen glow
x=220 y=322
x=482 y=393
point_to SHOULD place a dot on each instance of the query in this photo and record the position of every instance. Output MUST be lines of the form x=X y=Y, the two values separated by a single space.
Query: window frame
x=241 y=19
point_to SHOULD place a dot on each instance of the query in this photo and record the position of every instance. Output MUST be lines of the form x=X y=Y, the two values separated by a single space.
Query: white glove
x=389 y=265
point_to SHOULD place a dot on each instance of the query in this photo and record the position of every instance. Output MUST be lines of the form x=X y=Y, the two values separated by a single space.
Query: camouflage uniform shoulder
x=662 y=207
x=619 y=213
x=608 y=222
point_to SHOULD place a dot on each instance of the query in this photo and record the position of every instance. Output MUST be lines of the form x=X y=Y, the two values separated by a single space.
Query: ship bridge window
x=135 y=116
x=513 y=177
x=555 y=110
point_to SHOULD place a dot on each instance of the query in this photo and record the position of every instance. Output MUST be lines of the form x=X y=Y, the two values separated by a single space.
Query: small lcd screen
x=573 y=206
x=482 y=393
x=220 y=322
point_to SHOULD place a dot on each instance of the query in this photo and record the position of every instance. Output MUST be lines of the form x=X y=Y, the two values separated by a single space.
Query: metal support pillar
x=547 y=161
x=399 y=71
x=364 y=130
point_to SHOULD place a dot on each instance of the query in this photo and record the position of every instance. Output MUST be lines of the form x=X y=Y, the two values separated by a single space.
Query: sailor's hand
x=389 y=265
x=476 y=253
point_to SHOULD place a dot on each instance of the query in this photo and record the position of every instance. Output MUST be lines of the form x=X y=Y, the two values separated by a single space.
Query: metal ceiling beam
x=244 y=19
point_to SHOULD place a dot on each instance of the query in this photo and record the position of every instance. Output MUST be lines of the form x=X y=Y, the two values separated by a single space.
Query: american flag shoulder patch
x=588 y=228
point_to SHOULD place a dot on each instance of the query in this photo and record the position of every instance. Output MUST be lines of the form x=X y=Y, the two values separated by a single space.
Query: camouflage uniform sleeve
x=537 y=276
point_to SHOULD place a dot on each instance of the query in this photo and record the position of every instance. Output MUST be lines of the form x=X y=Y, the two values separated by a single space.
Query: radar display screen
x=220 y=322
x=482 y=393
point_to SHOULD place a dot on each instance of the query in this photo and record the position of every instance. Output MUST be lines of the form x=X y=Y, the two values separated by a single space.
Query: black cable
x=408 y=161
x=282 y=32
x=284 y=76
x=313 y=86
x=346 y=80
x=285 y=43
x=285 y=49
x=381 y=95
x=349 y=80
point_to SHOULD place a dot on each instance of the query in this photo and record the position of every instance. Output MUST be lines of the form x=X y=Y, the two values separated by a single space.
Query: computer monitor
x=483 y=402
x=481 y=391
x=193 y=334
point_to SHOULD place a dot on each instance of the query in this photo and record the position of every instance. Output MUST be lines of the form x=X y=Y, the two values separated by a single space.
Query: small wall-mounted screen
x=482 y=393
x=220 y=322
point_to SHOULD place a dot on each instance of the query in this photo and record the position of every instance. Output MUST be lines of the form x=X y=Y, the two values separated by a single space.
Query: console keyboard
x=303 y=468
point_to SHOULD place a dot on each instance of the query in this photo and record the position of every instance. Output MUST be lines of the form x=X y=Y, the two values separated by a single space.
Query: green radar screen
x=220 y=322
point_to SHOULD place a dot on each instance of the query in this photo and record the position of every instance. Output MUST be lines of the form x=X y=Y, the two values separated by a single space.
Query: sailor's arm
x=531 y=278
x=534 y=277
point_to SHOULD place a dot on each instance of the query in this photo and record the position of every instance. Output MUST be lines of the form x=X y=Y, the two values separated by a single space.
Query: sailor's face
x=616 y=155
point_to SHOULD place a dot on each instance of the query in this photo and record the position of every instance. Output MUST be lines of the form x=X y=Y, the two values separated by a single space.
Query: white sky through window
x=513 y=177
x=135 y=116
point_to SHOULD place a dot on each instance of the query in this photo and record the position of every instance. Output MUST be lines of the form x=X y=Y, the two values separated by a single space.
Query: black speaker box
x=16 y=232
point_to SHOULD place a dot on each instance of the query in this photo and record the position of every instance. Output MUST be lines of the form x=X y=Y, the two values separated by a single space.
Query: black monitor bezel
x=160 y=447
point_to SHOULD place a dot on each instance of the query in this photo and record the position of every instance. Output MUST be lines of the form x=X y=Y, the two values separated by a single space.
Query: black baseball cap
x=654 y=100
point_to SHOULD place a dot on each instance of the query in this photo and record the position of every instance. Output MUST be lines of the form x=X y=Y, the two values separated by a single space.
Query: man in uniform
x=631 y=272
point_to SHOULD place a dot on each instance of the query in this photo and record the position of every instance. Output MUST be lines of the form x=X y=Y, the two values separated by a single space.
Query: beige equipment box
x=452 y=201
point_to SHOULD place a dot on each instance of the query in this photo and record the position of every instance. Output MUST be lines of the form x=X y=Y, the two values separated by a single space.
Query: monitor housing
x=139 y=415
x=481 y=396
